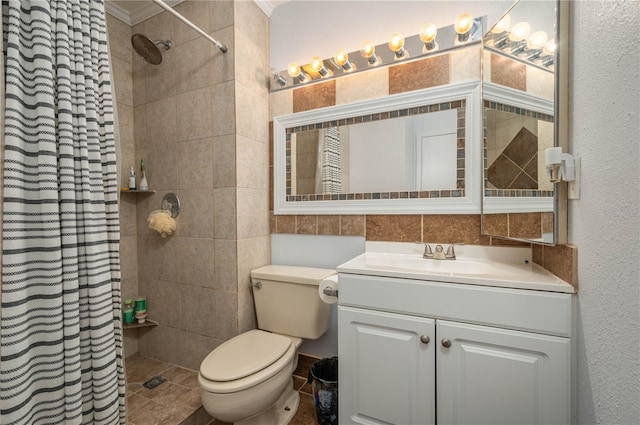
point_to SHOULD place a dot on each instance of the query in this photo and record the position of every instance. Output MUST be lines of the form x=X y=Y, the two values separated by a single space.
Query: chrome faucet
x=439 y=253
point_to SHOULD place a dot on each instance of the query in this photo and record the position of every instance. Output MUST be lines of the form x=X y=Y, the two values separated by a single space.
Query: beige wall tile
x=139 y=80
x=251 y=20
x=251 y=62
x=371 y=84
x=525 y=225
x=329 y=225
x=122 y=80
x=224 y=161
x=220 y=14
x=130 y=342
x=352 y=225
x=161 y=342
x=226 y=317
x=253 y=112
x=194 y=61
x=163 y=301
x=246 y=312
x=128 y=221
x=495 y=224
x=160 y=80
x=285 y=224
x=195 y=11
x=252 y=164
x=252 y=212
x=281 y=103
x=252 y=253
x=223 y=109
x=119 y=38
x=224 y=64
x=196 y=215
x=224 y=210
x=193 y=115
x=465 y=64
x=128 y=257
x=161 y=123
x=195 y=164
x=129 y=288
x=198 y=310
x=306 y=224
x=140 y=126
x=226 y=265
x=540 y=83
x=193 y=349
x=196 y=259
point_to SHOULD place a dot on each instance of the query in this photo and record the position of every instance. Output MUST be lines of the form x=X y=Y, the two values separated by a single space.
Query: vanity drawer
x=526 y=310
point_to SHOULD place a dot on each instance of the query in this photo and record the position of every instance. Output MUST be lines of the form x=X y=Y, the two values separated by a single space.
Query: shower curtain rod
x=169 y=9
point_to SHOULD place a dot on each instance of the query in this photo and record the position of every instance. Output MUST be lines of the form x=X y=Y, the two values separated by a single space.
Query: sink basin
x=430 y=266
x=477 y=265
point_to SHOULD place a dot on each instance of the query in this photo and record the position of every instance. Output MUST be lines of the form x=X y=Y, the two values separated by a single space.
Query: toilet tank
x=287 y=300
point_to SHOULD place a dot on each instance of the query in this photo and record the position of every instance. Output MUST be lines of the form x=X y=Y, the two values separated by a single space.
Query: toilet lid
x=244 y=355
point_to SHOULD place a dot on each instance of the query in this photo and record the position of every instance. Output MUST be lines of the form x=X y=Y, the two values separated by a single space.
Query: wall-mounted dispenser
x=563 y=167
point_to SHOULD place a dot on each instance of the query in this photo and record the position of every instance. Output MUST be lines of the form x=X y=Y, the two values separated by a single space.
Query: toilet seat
x=245 y=360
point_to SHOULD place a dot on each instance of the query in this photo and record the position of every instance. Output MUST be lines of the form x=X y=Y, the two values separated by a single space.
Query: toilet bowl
x=248 y=380
x=249 y=374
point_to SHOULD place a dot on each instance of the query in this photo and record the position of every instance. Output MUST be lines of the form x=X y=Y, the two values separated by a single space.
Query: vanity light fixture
x=502 y=25
x=341 y=58
x=462 y=26
x=500 y=32
x=297 y=73
x=428 y=33
x=535 y=44
x=518 y=37
x=318 y=65
x=278 y=79
x=368 y=51
x=396 y=44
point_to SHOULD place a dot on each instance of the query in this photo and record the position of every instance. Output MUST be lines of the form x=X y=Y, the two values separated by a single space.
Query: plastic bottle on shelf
x=132 y=179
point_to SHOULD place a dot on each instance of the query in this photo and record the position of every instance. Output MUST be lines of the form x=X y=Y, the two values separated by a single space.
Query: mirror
x=521 y=72
x=411 y=153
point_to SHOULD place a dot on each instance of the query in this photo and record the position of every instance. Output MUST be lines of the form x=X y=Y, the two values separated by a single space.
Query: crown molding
x=267 y=6
x=135 y=17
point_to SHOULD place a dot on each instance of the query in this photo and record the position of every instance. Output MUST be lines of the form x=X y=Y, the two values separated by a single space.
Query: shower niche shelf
x=135 y=325
x=136 y=191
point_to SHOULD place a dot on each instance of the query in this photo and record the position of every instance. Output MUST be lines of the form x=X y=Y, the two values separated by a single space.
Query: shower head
x=148 y=49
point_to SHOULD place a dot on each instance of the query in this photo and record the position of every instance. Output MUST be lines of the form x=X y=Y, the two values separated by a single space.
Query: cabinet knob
x=446 y=343
x=424 y=339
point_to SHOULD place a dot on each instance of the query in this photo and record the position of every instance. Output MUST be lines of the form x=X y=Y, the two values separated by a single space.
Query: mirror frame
x=469 y=204
x=560 y=110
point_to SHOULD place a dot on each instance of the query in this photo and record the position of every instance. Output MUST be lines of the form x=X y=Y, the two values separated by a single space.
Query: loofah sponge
x=162 y=222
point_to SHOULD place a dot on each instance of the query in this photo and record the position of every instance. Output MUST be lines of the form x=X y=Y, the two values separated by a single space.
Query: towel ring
x=171 y=202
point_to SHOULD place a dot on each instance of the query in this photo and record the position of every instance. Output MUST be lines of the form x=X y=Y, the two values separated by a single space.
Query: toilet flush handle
x=257 y=285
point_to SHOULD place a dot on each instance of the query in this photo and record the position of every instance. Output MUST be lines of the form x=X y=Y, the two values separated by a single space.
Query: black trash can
x=323 y=377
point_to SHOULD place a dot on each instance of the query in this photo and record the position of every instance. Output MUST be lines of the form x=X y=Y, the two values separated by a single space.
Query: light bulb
x=463 y=23
x=550 y=47
x=296 y=73
x=341 y=58
x=537 y=40
x=318 y=65
x=396 y=44
x=368 y=50
x=520 y=31
x=428 y=33
x=502 y=25
x=293 y=69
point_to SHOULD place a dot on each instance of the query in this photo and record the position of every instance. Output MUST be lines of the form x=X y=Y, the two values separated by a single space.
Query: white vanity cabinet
x=426 y=352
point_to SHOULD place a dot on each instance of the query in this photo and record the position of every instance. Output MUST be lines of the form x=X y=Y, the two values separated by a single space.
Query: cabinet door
x=497 y=376
x=386 y=368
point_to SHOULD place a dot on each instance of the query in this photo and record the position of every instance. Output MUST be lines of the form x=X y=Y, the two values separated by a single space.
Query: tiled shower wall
x=455 y=67
x=198 y=119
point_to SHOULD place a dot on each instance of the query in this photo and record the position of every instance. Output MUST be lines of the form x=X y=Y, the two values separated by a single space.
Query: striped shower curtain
x=330 y=164
x=61 y=337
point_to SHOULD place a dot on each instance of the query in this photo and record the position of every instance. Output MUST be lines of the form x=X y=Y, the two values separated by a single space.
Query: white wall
x=604 y=223
x=604 y=118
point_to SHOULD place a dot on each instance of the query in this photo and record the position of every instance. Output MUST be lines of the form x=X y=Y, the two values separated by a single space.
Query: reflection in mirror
x=418 y=149
x=415 y=152
x=519 y=83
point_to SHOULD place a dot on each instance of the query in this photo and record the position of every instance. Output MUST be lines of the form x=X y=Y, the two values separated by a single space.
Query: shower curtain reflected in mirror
x=61 y=336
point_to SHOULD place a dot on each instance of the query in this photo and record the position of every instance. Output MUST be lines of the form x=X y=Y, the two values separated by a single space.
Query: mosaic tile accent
x=459 y=192
x=488 y=192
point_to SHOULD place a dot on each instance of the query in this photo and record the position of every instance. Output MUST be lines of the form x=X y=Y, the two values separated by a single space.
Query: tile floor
x=177 y=400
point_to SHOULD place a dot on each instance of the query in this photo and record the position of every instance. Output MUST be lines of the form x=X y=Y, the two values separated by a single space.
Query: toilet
x=248 y=380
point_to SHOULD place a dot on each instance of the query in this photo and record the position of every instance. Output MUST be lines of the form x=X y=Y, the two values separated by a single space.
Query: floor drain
x=287 y=408
x=154 y=382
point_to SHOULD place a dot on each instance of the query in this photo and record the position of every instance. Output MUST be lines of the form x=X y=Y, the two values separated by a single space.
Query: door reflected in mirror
x=413 y=152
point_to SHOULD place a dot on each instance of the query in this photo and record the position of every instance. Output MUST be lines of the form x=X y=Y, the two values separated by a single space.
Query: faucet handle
x=427 y=250
x=451 y=252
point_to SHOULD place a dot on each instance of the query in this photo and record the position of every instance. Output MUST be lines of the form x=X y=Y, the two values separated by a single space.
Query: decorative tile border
x=511 y=193
x=459 y=192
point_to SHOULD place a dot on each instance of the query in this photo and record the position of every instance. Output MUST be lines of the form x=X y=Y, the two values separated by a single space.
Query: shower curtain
x=61 y=337
x=328 y=171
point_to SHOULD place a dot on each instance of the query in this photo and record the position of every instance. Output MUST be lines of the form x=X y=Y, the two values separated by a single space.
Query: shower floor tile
x=177 y=400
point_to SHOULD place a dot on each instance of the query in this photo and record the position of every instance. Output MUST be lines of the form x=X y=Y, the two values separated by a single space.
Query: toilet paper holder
x=330 y=292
